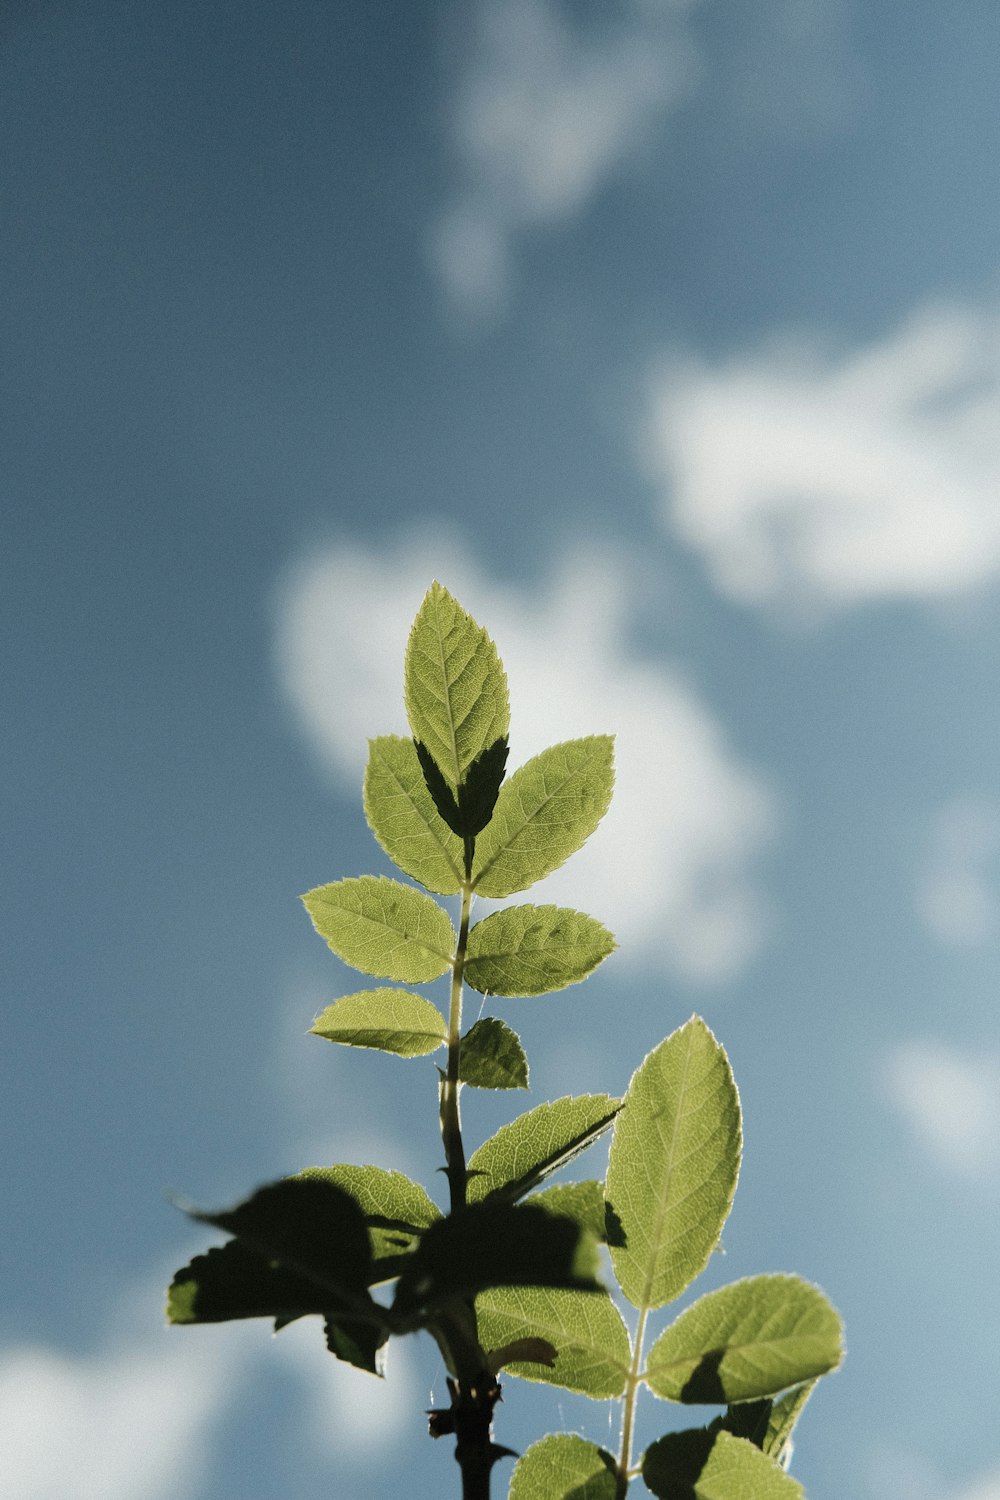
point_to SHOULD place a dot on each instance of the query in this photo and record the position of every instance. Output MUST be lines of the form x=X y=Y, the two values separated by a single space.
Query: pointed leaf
x=545 y=812
x=455 y=686
x=230 y=1281
x=396 y=1210
x=700 y=1465
x=402 y=816
x=530 y=950
x=495 y=1244
x=673 y=1165
x=587 y=1332
x=469 y=810
x=383 y=927
x=582 y=1201
x=313 y=1228
x=389 y=1020
x=784 y=1415
x=753 y=1338
x=357 y=1343
x=563 y=1466
x=532 y=1147
x=492 y=1057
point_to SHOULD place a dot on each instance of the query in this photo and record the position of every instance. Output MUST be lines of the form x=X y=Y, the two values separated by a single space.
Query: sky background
x=668 y=337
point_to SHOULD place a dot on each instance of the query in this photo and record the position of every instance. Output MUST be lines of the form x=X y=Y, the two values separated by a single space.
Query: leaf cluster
x=508 y=1275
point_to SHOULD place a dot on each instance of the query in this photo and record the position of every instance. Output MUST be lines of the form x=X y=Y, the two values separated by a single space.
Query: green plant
x=509 y=1276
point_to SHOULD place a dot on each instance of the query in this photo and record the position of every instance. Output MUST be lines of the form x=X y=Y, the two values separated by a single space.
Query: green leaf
x=494 y=1244
x=532 y=1147
x=673 y=1164
x=492 y=1057
x=753 y=1338
x=784 y=1415
x=530 y=950
x=313 y=1228
x=467 y=812
x=455 y=686
x=230 y=1281
x=747 y=1419
x=383 y=927
x=357 y=1343
x=389 y=1020
x=545 y=812
x=587 y=1332
x=396 y=1210
x=701 y=1465
x=564 y=1467
x=402 y=816
x=582 y=1201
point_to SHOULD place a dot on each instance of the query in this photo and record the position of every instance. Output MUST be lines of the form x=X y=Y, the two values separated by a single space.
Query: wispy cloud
x=545 y=111
x=951 y=1101
x=671 y=868
x=957 y=890
x=813 y=480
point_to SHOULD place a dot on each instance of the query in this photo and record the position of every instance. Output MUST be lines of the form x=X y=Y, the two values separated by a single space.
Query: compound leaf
x=545 y=812
x=383 y=927
x=396 y=1210
x=402 y=816
x=702 y=1465
x=495 y=1244
x=455 y=687
x=587 y=1333
x=563 y=1466
x=389 y=1020
x=532 y=1147
x=530 y=950
x=754 y=1338
x=673 y=1165
x=492 y=1057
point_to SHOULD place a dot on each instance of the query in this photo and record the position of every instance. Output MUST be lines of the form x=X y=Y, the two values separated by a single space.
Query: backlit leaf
x=582 y=1201
x=455 y=686
x=383 y=927
x=467 y=811
x=701 y=1465
x=673 y=1165
x=753 y=1338
x=784 y=1414
x=531 y=950
x=563 y=1466
x=388 y=1020
x=402 y=816
x=495 y=1244
x=396 y=1210
x=545 y=812
x=492 y=1057
x=532 y=1147
x=587 y=1332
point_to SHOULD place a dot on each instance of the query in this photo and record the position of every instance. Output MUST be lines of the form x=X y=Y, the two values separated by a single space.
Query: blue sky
x=668 y=337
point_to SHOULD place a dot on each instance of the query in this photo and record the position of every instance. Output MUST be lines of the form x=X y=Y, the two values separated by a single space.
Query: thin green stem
x=632 y=1383
x=451 y=1120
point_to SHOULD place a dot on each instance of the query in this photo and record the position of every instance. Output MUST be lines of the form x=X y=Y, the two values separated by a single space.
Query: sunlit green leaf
x=753 y=1338
x=402 y=816
x=701 y=1465
x=492 y=1057
x=591 y=1341
x=673 y=1165
x=532 y=1147
x=530 y=950
x=455 y=686
x=388 y=1020
x=564 y=1467
x=545 y=812
x=784 y=1414
x=396 y=1210
x=495 y=1244
x=383 y=927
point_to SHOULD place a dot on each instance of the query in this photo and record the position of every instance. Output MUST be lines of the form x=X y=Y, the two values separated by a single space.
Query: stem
x=451 y=1120
x=632 y=1384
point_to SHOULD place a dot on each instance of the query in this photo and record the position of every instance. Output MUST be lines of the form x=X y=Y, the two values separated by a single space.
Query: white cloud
x=812 y=480
x=957 y=889
x=545 y=112
x=670 y=868
x=951 y=1101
